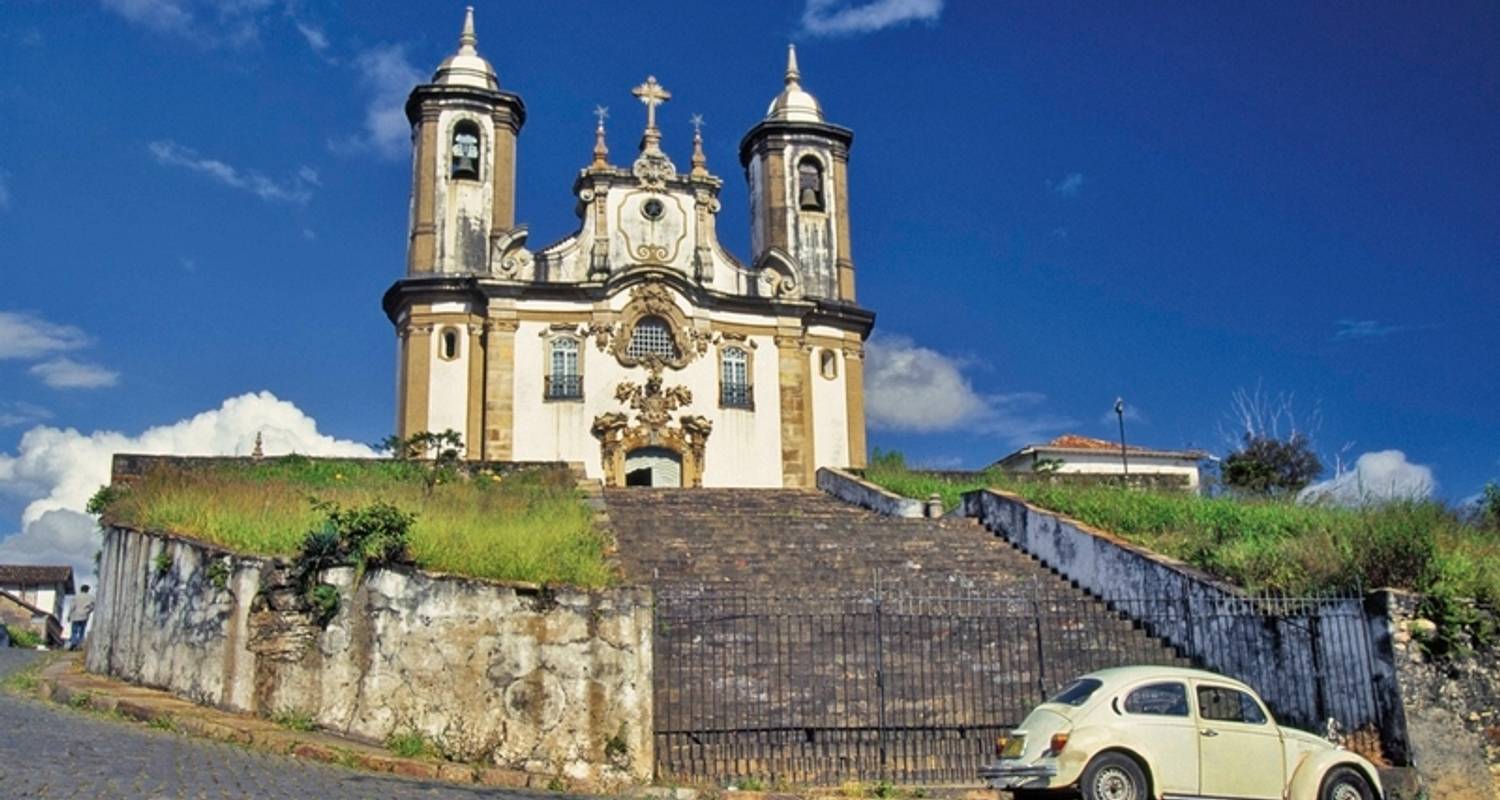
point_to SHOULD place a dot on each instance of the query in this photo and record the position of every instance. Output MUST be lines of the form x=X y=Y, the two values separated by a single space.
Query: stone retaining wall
x=548 y=681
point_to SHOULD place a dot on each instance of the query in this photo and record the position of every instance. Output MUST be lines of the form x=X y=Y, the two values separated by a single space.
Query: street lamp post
x=1124 y=459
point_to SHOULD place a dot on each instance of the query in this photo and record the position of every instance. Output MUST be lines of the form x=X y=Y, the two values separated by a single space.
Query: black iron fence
x=821 y=690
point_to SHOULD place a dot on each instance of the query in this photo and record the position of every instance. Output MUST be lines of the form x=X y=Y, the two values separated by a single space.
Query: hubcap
x=1344 y=790
x=1113 y=783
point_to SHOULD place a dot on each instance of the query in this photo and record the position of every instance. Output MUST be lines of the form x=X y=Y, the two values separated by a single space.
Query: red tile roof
x=28 y=574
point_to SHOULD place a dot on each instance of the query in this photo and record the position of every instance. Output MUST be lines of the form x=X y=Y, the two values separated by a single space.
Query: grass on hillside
x=1261 y=545
x=530 y=525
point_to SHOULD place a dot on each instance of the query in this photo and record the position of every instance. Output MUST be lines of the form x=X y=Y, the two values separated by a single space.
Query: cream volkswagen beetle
x=1136 y=733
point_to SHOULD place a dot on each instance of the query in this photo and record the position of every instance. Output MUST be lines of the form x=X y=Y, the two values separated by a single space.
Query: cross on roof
x=697 y=120
x=653 y=95
x=602 y=114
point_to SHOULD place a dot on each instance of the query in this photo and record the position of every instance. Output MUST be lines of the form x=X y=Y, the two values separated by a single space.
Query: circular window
x=653 y=209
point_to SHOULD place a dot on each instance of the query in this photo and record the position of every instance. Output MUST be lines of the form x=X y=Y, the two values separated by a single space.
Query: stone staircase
x=791 y=626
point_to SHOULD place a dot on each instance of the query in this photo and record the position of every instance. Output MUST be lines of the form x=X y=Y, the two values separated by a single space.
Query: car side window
x=1161 y=699
x=1222 y=704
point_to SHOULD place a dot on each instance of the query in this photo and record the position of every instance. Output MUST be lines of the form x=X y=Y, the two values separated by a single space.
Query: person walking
x=83 y=606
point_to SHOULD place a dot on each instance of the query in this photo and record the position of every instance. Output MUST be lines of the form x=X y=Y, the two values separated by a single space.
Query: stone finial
x=601 y=150
x=700 y=161
x=793 y=75
x=467 y=41
x=259 y=450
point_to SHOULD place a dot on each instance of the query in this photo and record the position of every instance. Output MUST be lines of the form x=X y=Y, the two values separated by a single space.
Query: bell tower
x=464 y=130
x=797 y=167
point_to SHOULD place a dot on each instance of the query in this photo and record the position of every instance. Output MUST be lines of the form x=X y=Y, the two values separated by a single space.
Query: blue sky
x=1053 y=204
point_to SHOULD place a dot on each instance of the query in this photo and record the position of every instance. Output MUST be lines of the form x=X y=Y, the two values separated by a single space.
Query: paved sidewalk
x=52 y=751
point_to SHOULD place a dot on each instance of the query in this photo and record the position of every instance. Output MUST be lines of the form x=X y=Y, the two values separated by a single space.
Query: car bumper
x=1018 y=776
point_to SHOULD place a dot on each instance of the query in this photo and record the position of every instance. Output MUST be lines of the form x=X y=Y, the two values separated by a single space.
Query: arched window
x=734 y=378
x=652 y=337
x=448 y=344
x=828 y=364
x=564 y=381
x=466 y=150
x=810 y=184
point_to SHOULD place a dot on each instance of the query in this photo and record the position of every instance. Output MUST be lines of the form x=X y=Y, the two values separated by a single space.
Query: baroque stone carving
x=654 y=404
x=509 y=257
x=652 y=299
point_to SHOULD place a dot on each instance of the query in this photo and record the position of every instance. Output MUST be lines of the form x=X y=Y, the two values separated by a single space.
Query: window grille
x=564 y=382
x=652 y=337
x=734 y=378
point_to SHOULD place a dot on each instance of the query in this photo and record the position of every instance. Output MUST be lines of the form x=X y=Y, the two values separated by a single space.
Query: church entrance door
x=653 y=466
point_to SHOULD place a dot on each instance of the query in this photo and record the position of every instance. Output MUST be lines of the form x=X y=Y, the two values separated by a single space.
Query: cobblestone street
x=50 y=751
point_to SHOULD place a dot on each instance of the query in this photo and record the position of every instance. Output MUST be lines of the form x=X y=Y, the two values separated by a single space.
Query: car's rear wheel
x=1345 y=783
x=1115 y=776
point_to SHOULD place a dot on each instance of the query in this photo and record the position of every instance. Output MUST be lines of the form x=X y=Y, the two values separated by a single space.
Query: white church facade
x=637 y=346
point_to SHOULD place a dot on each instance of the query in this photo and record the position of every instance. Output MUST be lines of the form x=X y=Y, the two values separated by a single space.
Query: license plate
x=1014 y=747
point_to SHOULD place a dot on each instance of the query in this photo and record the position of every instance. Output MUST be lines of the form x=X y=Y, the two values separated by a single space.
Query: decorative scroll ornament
x=509 y=257
x=779 y=284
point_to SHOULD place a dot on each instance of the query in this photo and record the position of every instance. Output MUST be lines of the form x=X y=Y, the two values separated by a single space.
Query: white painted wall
x=1107 y=463
x=47 y=598
x=462 y=199
x=448 y=399
x=830 y=412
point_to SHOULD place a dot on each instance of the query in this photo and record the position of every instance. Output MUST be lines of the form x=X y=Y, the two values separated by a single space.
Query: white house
x=1074 y=454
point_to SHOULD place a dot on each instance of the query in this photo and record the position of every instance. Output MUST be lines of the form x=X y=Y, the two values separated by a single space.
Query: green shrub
x=294 y=719
x=23 y=637
x=408 y=744
x=323 y=602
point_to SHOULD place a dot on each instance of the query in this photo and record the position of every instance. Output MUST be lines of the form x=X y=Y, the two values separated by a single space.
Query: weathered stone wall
x=550 y=681
x=1452 y=709
x=20 y=615
x=1271 y=645
x=859 y=492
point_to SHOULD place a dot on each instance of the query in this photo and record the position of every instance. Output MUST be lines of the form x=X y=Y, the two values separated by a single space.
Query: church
x=638 y=345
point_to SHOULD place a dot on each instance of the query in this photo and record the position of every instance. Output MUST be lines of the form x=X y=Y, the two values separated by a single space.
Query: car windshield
x=1077 y=693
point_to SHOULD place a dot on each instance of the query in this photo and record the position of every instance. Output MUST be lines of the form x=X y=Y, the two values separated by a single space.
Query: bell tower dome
x=464 y=130
x=797 y=166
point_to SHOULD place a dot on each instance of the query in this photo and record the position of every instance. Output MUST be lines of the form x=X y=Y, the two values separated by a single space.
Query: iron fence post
x=880 y=680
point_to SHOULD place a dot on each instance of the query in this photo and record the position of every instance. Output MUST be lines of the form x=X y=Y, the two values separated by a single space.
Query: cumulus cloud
x=388 y=77
x=1068 y=186
x=297 y=189
x=65 y=373
x=57 y=470
x=27 y=336
x=1377 y=477
x=313 y=35
x=842 y=18
x=914 y=388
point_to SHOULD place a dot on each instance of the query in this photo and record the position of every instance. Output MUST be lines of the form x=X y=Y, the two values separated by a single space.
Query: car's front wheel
x=1345 y=783
x=1115 y=776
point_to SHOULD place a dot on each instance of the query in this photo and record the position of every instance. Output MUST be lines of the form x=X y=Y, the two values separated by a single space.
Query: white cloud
x=65 y=373
x=388 y=77
x=316 y=38
x=26 y=336
x=210 y=23
x=59 y=470
x=13 y=413
x=1366 y=329
x=913 y=388
x=842 y=17
x=1068 y=186
x=296 y=190
x=1376 y=477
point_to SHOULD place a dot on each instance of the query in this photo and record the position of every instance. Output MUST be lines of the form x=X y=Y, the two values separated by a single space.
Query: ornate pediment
x=654 y=403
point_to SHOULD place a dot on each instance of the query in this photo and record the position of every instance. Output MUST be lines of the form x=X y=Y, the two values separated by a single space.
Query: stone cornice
x=478 y=291
x=492 y=100
x=843 y=138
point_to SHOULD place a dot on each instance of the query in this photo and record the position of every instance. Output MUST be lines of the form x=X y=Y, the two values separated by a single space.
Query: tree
x=1489 y=506
x=1270 y=466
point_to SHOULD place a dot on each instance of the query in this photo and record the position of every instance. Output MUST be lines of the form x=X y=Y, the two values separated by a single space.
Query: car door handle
x=1209 y=732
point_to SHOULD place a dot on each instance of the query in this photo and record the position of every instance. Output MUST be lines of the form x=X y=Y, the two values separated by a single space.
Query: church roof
x=466 y=67
x=794 y=104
